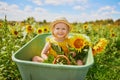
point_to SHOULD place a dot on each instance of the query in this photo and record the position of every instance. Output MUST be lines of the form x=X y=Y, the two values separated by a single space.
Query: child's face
x=60 y=30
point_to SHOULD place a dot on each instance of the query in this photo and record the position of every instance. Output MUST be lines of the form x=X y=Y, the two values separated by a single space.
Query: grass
x=106 y=64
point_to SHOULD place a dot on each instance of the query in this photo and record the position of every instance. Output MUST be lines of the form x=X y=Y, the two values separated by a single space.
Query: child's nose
x=61 y=30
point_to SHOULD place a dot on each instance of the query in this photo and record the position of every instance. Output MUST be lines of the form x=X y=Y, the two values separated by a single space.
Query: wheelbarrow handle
x=61 y=56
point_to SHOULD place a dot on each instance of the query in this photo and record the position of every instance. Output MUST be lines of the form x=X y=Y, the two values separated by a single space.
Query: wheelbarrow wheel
x=56 y=60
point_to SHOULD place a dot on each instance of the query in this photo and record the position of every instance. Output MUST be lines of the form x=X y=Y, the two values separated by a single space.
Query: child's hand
x=79 y=62
x=37 y=59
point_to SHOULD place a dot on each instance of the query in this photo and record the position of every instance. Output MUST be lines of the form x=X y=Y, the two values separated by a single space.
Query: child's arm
x=45 y=51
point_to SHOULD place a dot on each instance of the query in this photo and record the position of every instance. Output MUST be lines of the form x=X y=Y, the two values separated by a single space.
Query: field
x=13 y=35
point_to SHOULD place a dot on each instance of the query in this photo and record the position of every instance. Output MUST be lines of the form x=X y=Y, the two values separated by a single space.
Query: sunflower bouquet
x=78 y=48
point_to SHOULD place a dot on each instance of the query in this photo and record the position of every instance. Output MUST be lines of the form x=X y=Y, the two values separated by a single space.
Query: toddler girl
x=60 y=29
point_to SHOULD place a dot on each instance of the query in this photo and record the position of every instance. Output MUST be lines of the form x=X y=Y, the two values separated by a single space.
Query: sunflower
x=113 y=34
x=45 y=29
x=78 y=42
x=85 y=26
x=29 y=29
x=14 y=32
x=40 y=30
x=100 y=46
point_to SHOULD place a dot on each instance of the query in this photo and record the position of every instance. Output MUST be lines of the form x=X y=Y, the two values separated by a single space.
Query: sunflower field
x=104 y=36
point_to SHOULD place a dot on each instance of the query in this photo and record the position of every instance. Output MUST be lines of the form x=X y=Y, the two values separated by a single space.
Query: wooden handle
x=61 y=56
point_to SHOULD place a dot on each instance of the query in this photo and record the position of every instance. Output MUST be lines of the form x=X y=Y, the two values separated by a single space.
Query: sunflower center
x=45 y=29
x=78 y=43
x=39 y=31
x=15 y=32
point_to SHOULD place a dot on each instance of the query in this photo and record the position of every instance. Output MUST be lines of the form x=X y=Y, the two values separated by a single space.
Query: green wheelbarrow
x=43 y=71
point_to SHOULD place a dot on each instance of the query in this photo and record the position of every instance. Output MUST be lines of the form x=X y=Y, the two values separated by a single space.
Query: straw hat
x=60 y=20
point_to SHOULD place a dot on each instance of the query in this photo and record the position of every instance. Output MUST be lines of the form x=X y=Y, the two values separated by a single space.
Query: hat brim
x=60 y=21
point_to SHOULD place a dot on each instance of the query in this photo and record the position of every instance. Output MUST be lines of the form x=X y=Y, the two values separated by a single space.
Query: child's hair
x=60 y=20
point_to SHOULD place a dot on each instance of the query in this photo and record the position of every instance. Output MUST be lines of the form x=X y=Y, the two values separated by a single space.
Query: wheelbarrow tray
x=44 y=71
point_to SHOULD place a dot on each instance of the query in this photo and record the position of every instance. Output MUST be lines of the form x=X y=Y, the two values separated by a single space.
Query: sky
x=73 y=10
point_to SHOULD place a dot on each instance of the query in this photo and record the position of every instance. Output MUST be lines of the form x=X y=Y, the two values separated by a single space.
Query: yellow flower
x=40 y=30
x=14 y=32
x=29 y=29
x=85 y=26
x=45 y=29
x=113 y=34
x=100 y=46
x=78 y=42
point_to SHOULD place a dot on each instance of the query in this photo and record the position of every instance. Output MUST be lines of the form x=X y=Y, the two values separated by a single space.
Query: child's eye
x=63 y=29
x=57 y=28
